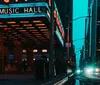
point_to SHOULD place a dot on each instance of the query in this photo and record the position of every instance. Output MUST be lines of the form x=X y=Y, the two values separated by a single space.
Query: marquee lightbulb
x=16 y=0
x=6 y=1
x=25 y=0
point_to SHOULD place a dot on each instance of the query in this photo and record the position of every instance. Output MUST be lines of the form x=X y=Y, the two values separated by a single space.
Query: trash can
x=39 y=69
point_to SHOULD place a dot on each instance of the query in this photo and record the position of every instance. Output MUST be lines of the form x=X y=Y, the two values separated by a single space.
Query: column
x=30 y=57
x=1 y=54
x=18 y=55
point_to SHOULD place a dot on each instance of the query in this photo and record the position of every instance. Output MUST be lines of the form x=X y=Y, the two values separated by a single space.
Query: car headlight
x=78 y=71
x=88 y=70
x=97 y=70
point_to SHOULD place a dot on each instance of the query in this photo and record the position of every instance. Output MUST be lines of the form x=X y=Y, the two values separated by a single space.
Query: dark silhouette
x=46 y=65
x=24 y=65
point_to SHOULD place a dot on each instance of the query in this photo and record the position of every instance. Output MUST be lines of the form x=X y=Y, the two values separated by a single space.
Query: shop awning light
x=44 y=30
x=12 y=22
x=44 y=50
x=37 y=21
x=14 y=33
x=33 y=30
x=3 y=25
x=19 y=28
x=24 y=22
x=43 y=27
x=40 y=24
x=35 y=50
x=38 y=34
x=15 y=25
x=27 y=24
x=22 y=30
x=30 y=27
x=24 y=51
x=46 y=34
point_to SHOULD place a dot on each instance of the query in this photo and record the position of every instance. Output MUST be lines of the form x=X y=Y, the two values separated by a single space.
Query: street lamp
x=84 y=34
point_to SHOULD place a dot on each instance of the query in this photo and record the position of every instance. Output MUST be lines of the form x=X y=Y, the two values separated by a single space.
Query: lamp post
x=84 y=50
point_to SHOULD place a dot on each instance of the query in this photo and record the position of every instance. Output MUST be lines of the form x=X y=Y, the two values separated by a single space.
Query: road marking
x=46 y=83
x=71 y=75
x=61 y=82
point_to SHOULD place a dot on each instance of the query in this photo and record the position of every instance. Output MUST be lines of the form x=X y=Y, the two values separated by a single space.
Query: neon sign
x=58 y=20
x=59 y=36
x=40 y=9
x=20 y=10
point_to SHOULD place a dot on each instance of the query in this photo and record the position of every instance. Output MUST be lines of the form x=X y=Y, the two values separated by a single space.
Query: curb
x=63 y=81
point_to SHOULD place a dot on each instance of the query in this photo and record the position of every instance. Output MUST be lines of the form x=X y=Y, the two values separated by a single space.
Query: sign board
x=24 y=10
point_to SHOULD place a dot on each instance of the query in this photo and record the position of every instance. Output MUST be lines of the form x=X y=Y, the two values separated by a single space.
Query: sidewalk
x=59 y=80
x=29 y=79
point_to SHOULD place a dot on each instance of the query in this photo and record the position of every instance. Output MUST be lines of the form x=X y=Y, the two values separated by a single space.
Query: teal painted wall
x=80 y=11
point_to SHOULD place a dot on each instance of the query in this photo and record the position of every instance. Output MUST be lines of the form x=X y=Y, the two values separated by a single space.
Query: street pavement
x=19 y=79
x=84 y=80
x=27 y=79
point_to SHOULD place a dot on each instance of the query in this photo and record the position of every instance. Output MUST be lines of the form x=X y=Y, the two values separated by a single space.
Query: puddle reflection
x=82 y=82
x=77 y=82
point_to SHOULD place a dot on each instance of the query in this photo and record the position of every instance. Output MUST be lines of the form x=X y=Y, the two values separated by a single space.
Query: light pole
x=85 y=34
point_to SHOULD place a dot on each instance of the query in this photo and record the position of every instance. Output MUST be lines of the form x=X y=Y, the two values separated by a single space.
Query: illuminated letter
x=2 y=11
x=39 y=9
x=10 y=11
x=30 y=10
x=17 y=10
x=25 y=10
x=34 y=9
x=7 y=11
